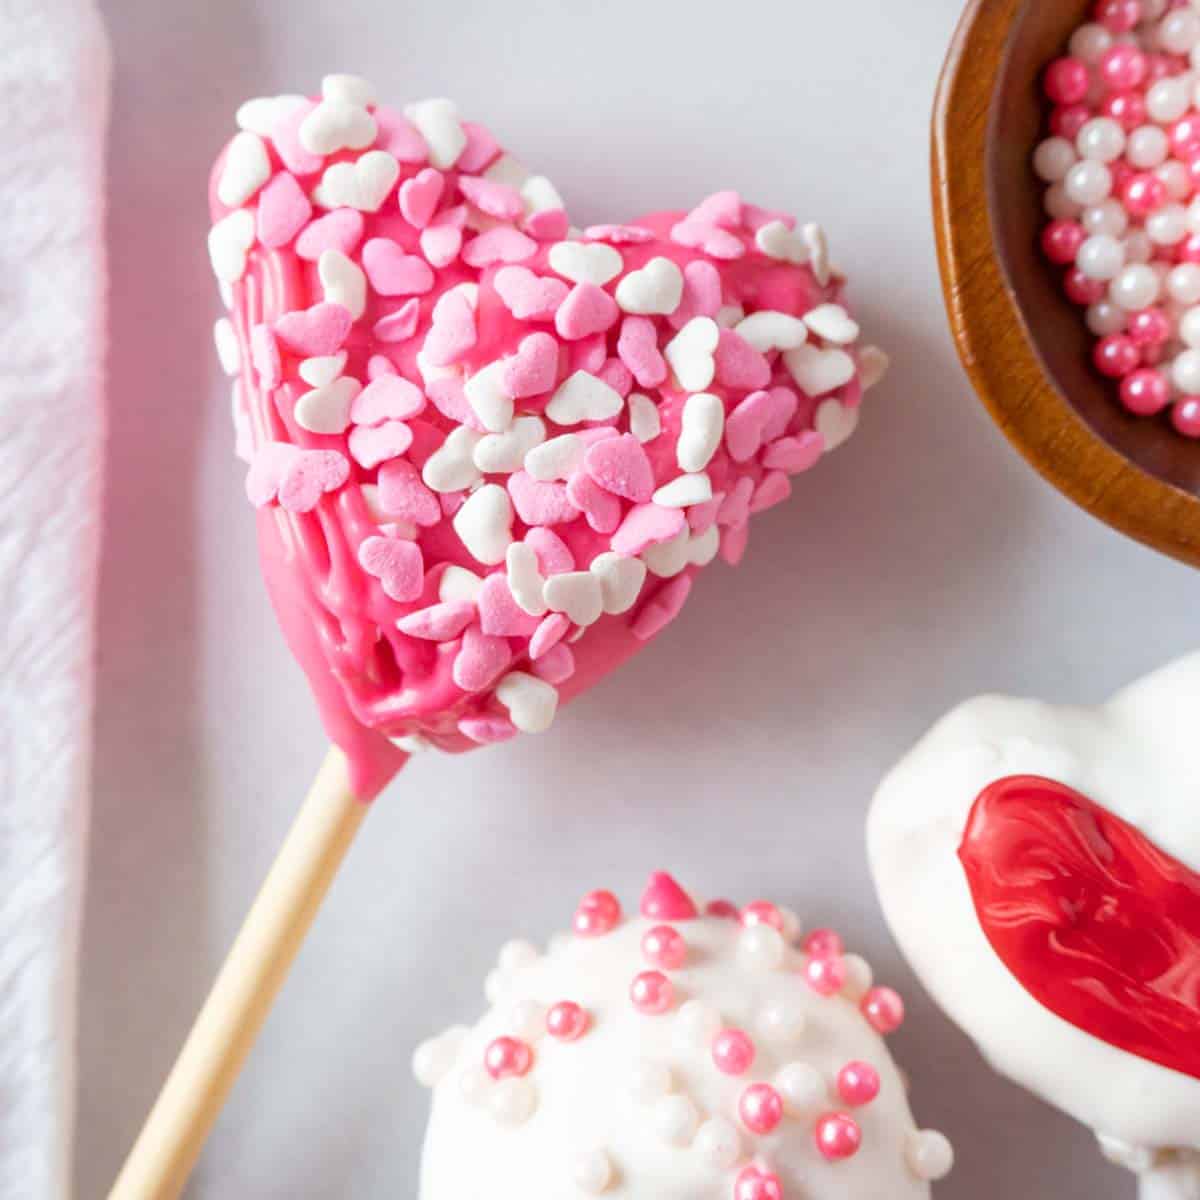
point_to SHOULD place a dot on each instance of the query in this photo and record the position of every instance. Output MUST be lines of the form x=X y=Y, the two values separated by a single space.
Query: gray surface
x=922 y=563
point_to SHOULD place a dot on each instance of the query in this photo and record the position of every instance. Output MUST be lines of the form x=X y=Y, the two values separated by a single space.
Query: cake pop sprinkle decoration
x=838 y=1136
x=733 y=1051
x=652 y=993
x=664 y=947
x=566 y=1021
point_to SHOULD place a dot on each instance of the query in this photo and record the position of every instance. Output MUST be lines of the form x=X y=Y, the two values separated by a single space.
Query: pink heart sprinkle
x=440 y=244
x=340 y=230
x=733 y=543
x=714 y=241
x=283 y=210
x=480 y=660
x=527 y=296
x=548 y=225
x=400 y=325
x=620 y=465
x=450 y=400
x=744 y=426
x=556 y=665
x=602 y=509
x=264 y=354
x=487 y=730
x=396 y=563
x=735 y=509
x=618 y=235
x=499 y=613
x=286 y=138
x=587 y=309
x=453 y=331
x=378 y=365
x=548 y=634
x=394 y=273
x=267 y=468
x=539 y=503
x=738 y=364
x=774 y=488
x=794 y=454
x=784 y=403
x=311 y=475
x=480 y=149
x=554 y=557
x=315 y=332
x=638 y=349
x=662 y=608
x=495 y=199
x=399 y=136
x=439 y=622
x=647 y=525
x=701 y=293
x=500 y=245
x=723 y=209
x=701 y=516
x=402 y=494
x=533 y=369
x=420 y=196
x=371 y=445
x=589 y=354
x=387 y=396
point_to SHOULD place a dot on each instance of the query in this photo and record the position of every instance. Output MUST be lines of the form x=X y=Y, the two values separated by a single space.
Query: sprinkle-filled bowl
x=1028 y=350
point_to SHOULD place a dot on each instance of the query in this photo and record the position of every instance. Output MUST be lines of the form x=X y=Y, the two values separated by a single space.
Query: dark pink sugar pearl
x=1185 y=136
x=1162 y=66
x=664 y=947
x=598 y=914
x=1188 y=251
x=1066 y=81
x=858 y=1083
x=1116 y=355
x=1145 y=392
x=1081 y=289
x=762 y=912
x=824 y=943
x=1149 y=328
x=837 y=1136
x=652 y=993
x=567 y=1021
x=753 y=1183
x=1118 y=16
x=1061 y=241
x=1185 y=416
x=506 y=1057
x=1123 y=67
x=726 y=910
x=884 y=1009
x=733 y=1051
x=761 y=1108
x=1128 y=109
x=1143 y=193
x=826 y=976
x=1068 y=119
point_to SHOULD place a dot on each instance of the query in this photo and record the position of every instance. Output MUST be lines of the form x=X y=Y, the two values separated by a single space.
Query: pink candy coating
x=598 y=914
x=567 y=1021
x=761 y=1108
x=664 y=947
x=858 y=1083
x=837 y=1136
x=883 y=1009
x=507 y=1056
x=826 y=976
x=733 y=1051
x=652 y=993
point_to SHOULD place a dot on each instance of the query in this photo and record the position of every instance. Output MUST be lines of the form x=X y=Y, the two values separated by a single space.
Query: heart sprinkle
x=498 y=450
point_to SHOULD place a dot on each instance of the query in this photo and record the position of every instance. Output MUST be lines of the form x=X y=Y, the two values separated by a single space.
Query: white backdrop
x=922 y=563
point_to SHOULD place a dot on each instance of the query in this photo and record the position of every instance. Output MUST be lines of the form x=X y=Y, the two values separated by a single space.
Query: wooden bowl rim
x=1036 y=417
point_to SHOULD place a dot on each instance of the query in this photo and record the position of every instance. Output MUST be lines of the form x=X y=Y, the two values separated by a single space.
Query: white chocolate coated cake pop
x=676 y=1055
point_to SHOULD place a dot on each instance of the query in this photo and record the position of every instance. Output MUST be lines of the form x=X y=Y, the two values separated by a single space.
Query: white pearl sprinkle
x=761 y=948
x=675 y=1117
x=859 y=976
x=696 y=1024
x=526 y=1019
x=718 y=1143
x=782 y=1020
x=512 y=1101
x=649 y=1080
x=434 y=1059
x=929 y=1154
x=802 y=1088
x=516 y=954
x=474 y=1084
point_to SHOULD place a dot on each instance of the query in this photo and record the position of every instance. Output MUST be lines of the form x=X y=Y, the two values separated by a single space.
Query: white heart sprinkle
x=703 y=547
x=690 y=353
x=776 y=240
x=484 y=523
x=586 y=262
x=644 y=421
x=509 y=171
x=577 y=594
x=431 y=373
x=531 y=702
x=702 y=425
x=437 y=122
x=262 y=114
x=668 y=558
x=459 y=584
x=819 y=371
x=540 y=195
x=833 y=323
x=317 y=372
x=327 y=409
x=873 y=365
x=769 y=330
x=583 y=397
x=818 y=249
x=656 y=288
x=334 y=125
x=229 y=354
x=620 y=578
x=228 y=242
x=451 y=467
x=505 y=452
x=363 y=184
x=524 y=579
x=835 y=422
x=348 y=89
x=343 y=281
x=559 y=458
x=247 y=167
x=683 y=491
x=486 y=395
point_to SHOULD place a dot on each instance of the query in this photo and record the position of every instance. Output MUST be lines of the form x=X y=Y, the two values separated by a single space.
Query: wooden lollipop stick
x=175 y=1132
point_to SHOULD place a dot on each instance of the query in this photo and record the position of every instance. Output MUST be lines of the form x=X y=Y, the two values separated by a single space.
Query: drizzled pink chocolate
x=489 y=454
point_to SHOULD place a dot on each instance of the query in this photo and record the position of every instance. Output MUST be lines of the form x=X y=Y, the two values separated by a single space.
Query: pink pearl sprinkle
x=507 y=1056
x=1185 y=416
x=664 y=947
x=598 y=914
x=1082 y=290
x=1116 y=355
x=884 y=1009
x=1145 y=392
x=1068 y=119
x=823 y=943
x=858 y=1083
x=1150 y=327
x=838 y=1136
x=1189 y=249
x=1123 y=67
x=825 y=975
x=733 y=1051
x=1118 y=16
x=762 y=912
x=1185 y=136
x=761 y=1108
x=567 y=1021
x=1061 y=241
x=652 y=993
x=726 y=910
x=1143 y=193
x=753 y=1183
x=1066 y=81
x=1128 y=109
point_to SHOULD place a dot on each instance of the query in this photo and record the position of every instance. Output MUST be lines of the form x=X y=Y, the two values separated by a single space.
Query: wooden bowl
x=1025 y=346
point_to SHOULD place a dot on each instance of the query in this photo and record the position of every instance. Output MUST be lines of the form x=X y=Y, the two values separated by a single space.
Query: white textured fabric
x=54 y=70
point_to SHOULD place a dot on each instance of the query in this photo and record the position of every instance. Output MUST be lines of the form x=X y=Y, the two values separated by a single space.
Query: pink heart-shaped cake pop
x=489 y=453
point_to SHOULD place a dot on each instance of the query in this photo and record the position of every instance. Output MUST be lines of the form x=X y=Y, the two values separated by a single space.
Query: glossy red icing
x=1096 y=922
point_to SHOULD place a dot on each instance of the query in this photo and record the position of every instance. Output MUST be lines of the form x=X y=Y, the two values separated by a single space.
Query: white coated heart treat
x=690 y=1052
x=1040 y=868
